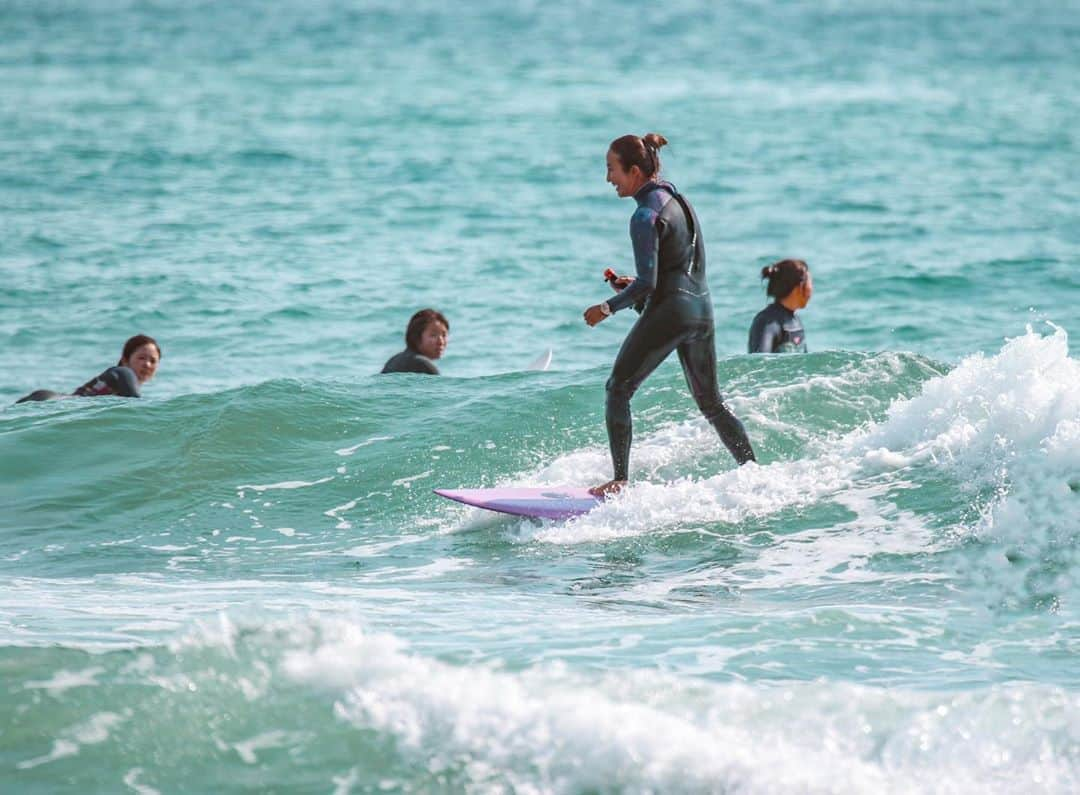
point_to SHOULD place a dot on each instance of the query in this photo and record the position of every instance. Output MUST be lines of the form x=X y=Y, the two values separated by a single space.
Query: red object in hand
x=610 y=275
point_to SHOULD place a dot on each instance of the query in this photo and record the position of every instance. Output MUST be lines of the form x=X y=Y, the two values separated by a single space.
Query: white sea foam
x=246 y=749
x=285 y=484
x=347 y=451
x=131 y=780
x=93 y=731
x=987 y=409
x=1007 y=422
x=546 y=729
x=408 y=481
x=63 y=681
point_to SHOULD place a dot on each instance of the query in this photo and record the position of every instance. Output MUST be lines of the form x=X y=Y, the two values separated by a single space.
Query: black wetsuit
x=119 y=381
x=409 y=361
x=777 y=329
x=676 y=315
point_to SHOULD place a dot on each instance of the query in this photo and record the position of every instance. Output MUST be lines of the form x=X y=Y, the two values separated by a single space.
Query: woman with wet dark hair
x=670 y=292
x=138 y=362
x=777 y=329
x=426 y=339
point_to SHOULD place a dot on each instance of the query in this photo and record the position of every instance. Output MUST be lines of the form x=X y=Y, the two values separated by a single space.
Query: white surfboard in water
x=541 y=362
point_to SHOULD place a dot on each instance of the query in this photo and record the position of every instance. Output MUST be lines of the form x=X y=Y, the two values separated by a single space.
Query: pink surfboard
x=539 y=503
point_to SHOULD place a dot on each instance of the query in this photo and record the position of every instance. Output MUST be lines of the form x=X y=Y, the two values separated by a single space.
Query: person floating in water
x=138 y=363
x=426 y=339
x=776 y=328
x=670 y=292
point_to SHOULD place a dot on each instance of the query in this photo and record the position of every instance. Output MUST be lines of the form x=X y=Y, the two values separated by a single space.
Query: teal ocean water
x=243 y=583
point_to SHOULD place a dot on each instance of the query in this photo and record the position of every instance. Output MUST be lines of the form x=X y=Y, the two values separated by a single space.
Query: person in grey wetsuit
x=138 y=363
x=776 y=328
x=426 y=338
x=670 y=292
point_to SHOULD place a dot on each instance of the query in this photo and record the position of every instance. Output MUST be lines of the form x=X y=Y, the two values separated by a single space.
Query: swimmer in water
x=426 y=339
x=776 y=328
x=670 y=292
x=138 y=363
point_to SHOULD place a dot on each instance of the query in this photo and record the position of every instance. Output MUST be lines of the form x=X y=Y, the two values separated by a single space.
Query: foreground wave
x=340 y=708
x=258 y=583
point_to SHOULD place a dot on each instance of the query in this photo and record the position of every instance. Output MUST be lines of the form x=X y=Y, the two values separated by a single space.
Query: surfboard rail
x=547 y=502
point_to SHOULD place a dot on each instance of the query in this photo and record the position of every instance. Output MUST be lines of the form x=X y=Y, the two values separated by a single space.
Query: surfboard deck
x=539 y=503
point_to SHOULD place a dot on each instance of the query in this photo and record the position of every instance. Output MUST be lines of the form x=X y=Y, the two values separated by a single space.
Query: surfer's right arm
x=118 y=380
x=643 y=234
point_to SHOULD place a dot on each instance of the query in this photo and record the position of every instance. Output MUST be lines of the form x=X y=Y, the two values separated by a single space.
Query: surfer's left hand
x=594 y=314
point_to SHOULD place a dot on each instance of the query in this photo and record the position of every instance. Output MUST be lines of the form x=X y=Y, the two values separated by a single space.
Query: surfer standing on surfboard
x=672 y=296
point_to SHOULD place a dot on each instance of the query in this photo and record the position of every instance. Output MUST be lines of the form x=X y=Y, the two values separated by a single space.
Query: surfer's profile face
x=144 y=362
x=804 y=291
x=626 y=182
x=433 y=340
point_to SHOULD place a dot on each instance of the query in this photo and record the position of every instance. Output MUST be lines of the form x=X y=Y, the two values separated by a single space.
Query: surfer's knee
x=617 y=406
x=619 y=389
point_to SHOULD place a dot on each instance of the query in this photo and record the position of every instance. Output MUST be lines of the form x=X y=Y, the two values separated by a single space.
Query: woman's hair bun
x=784 y=276
x=641 y=152
x=655 y=140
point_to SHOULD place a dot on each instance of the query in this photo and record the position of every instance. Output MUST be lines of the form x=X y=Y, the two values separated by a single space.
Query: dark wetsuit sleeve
x=764 y=334
x=646 y=240
x=120 y=381
x=124 y=381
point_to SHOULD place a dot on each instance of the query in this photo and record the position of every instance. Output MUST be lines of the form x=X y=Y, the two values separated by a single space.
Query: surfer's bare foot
x=611 y=487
